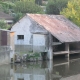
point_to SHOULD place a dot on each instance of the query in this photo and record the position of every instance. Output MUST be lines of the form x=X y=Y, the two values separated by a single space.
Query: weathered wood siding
x=3 y=38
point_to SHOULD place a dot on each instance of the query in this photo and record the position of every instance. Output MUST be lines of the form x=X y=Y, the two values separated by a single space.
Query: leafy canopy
x=18 y=8
x=55 y=6
x=72 y=11
x=27 y=6
x=6 y=6
x=4 y=25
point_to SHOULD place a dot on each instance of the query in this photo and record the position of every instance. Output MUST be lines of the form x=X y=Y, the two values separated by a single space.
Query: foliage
x=18 y=8
x=17 y=16
x=4 y=25
x=39 y=2
x=33 y=55
x=51 y=8
x=7 y=6
x=55 y=6
x=1 y=7
x=27 y=7
x=72 y=11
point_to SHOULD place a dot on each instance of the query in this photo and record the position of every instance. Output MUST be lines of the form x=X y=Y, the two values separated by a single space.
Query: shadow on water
x=58 y=69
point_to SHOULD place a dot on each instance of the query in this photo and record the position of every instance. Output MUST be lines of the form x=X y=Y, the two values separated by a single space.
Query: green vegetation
x=18 y=8
x=55 y=6
x=72 y=11
x=27 y=7
x=6 y=6
x=4 y=25
x=17 y=16
x=22 y=6
x=39 y=2
x=33 y=56
x=68 y=8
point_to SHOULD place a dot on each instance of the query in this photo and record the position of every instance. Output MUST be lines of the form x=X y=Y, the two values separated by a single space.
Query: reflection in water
x=59 y=69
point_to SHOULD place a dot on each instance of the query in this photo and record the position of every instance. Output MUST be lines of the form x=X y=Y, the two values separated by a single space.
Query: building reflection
x=47 y=70
x=31 y=71
x=5 y=72
x=34 y=71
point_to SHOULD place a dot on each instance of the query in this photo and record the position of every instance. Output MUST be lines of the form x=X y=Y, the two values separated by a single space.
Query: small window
x=21 y=37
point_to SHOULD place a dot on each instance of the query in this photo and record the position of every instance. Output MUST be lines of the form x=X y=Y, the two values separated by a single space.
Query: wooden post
x=67 y=49
x=50 y=48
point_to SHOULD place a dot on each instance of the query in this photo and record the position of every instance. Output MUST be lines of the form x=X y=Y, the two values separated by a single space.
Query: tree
x=55 y=6
x=72 y=11
x=4 y=25
x=6 y=6
x=17 y=16
x=17 y=8
x=39 y=2
x=27 y=6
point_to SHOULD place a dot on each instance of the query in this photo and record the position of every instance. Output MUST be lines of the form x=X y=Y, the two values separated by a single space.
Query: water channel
x=58 y=69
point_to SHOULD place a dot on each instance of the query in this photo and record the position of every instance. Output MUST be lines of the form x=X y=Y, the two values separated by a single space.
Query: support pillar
x=67 y=67
x=50 y=51
x=67 y=49
x=12 y=53
x=50 y=67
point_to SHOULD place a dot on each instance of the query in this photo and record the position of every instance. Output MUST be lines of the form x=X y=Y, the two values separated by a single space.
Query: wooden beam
x=56 y=43
x=74 y=51
x=60 y=52
x=67 y=49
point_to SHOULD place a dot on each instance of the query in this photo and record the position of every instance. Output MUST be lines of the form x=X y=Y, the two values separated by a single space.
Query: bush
x=4 y=25
x=27 y=7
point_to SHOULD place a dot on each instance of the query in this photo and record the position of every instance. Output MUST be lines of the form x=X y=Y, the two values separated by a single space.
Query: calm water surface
x=59 y=69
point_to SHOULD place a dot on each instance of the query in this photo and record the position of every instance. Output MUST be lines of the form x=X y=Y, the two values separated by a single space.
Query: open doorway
x=57 y=48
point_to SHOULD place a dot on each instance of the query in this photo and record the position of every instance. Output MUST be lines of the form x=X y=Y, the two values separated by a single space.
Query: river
x=58 y=69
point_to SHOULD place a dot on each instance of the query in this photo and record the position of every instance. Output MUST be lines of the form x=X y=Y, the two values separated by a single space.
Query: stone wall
x=23 y=48
x=29 y=48
x=4 y=55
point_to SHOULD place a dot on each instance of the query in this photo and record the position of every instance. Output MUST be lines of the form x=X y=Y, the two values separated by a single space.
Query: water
x=59 y=69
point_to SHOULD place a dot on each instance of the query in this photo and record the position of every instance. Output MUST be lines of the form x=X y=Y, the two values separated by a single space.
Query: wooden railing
x=65 y=52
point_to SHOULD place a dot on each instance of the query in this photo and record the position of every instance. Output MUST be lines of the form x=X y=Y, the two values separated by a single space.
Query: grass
x=30 y=55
